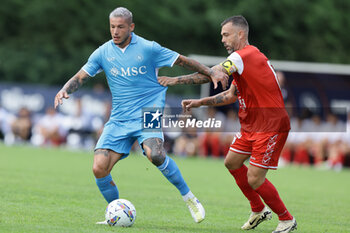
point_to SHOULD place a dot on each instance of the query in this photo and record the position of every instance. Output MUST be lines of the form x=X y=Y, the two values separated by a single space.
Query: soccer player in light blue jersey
x=131 y=65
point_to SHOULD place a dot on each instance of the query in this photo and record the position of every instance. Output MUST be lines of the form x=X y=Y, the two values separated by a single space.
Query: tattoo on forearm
x=196 y=66
x=195 y=78
x=218 y=99
x=73 y=84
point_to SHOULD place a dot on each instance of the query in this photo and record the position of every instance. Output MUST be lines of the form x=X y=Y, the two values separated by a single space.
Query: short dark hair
x=237 y=20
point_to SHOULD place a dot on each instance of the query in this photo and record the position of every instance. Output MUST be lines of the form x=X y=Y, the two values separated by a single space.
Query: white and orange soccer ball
x=121 y=213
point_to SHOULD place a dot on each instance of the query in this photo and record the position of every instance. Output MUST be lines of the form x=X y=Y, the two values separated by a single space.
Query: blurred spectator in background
x=6 y=119
x=210 y=140
x=346 y=143
x=289 y=104
x=333 y=141
x=22 y=126
x=231 y=125
x=49 y=129
x=282 y=82
x=80 y=128
x=99 y=124
x=313 y=141
x=187 y=144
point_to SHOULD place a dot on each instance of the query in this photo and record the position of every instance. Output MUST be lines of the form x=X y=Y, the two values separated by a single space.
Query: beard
x=124 y=41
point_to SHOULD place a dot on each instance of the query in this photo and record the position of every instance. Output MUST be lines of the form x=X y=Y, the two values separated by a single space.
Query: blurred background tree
x=48 y=41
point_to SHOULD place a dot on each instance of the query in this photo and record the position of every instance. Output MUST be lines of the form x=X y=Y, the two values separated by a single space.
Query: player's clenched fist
x=60 y=95
x=191 y=103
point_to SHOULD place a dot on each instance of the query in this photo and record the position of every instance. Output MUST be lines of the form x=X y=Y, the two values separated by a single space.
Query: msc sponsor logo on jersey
x=128 y=71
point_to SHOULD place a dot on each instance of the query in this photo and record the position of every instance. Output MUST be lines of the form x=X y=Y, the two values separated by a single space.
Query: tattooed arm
x=224 y=98
x=195 y=78
x=71 y=86
x=215 y=75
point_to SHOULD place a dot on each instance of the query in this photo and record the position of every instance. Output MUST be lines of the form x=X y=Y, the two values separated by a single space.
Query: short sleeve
x=93 y=65
x=233 y=63
x=163 y=56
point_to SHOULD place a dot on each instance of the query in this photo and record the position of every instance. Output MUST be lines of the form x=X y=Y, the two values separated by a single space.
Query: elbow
x=180 y=60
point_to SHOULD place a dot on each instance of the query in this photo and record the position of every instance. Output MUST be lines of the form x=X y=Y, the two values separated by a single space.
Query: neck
x=243 y=44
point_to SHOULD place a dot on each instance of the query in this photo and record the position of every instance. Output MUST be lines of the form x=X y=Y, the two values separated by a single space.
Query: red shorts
x=264 y=148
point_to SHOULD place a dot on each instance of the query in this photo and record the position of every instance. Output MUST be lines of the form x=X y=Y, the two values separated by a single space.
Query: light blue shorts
x=119 y=136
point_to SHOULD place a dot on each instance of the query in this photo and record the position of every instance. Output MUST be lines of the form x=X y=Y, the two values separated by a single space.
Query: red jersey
x=261 y=106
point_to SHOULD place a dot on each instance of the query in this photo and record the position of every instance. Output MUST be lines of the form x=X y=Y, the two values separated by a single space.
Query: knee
x=254 y=180
x=157 y=158
x=154 y=150
x=99 y=168
x=228 y=164
x=99 y=171
x=231 y=165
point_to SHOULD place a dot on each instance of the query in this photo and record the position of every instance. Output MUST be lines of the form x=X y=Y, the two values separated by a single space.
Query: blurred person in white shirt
x=49 y=130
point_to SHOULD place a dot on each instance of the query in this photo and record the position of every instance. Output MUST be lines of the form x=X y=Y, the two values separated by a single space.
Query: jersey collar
x=134 y=38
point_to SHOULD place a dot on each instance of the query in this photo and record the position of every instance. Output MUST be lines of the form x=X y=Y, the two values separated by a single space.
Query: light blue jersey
x=132 y=78
x=132 y=75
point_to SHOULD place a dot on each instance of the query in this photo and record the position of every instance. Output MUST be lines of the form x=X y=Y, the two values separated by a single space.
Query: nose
x=114 y=31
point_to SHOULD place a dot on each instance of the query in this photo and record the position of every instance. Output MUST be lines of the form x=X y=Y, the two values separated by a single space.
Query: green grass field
x=53 y=190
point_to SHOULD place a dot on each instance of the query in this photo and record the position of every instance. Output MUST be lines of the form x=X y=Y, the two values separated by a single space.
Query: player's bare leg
x=234 y=162
x=155 y=152
x=104 y=161
x=256 y=176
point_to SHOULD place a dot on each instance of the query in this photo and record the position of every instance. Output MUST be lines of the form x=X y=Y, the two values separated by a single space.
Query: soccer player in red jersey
x=264 y=122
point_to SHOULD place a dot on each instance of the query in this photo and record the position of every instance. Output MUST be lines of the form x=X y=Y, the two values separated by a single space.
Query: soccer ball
x=121 y=213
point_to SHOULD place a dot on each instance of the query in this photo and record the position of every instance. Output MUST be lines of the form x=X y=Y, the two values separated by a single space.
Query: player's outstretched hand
x=166 y=81
x=219 y=76
x=60 y=95
x=191 y=103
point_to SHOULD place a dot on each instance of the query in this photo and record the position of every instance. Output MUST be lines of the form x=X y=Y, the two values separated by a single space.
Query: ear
x=241 y=34
x=132 y=27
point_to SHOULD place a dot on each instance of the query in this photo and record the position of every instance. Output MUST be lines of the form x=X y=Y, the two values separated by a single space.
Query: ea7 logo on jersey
x=152 y=119
x=128 y=71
